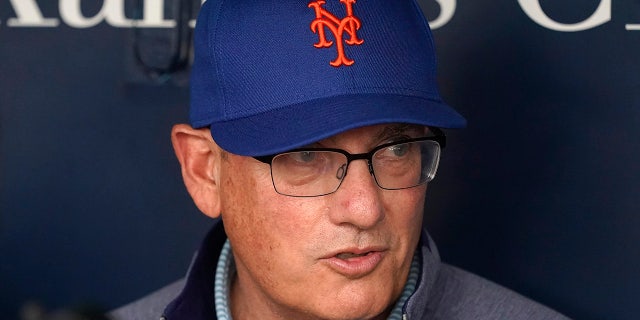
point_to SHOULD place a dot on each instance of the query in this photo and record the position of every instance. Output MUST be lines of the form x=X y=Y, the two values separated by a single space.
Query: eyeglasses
x=320 y=171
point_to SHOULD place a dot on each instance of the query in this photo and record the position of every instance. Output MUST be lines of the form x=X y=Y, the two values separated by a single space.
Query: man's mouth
x=349 y=255
x=355 y=263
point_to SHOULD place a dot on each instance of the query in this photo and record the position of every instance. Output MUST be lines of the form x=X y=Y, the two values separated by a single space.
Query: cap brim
x=301 y=124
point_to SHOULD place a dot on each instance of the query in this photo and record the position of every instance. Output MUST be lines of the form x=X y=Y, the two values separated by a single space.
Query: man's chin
x=358 y=308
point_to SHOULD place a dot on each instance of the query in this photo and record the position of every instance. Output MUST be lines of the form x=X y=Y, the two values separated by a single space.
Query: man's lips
x=349 y=255
x=355 y=262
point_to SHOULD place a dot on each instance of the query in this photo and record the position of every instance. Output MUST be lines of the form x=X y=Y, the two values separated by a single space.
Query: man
x=315 y=129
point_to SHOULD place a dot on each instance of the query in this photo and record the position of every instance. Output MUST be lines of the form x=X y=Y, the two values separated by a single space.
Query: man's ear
x=200 y=159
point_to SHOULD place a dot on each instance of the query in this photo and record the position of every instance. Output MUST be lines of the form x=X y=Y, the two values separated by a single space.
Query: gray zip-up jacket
x=443 y=292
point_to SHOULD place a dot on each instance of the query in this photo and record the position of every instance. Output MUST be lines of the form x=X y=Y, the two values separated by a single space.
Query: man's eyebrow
x=396 y=130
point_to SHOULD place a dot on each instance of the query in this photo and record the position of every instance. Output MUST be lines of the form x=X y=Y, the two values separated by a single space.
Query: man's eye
x=304 y=156
x=399 y=150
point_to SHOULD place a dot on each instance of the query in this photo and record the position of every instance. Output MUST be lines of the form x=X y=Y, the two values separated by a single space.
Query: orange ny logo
x=349 y=24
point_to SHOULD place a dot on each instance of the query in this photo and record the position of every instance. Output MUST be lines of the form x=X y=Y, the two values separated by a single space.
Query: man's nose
x=358 y=200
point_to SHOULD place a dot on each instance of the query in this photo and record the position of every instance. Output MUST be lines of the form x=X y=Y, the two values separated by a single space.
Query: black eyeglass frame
x=438 y=137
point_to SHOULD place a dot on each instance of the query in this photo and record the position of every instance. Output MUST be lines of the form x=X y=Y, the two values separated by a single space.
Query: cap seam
x=216 y=65
x=429 y=35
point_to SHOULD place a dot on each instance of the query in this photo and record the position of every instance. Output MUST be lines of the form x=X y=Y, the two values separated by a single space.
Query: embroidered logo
x=326 y=20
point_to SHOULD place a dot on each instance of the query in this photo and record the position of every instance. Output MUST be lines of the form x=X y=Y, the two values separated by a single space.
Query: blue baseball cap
x=274 y=75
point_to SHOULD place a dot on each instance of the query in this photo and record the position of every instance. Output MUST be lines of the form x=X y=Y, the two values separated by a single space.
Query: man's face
x=344 y=255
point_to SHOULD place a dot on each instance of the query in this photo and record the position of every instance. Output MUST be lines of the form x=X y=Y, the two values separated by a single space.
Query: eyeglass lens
x=311 y=173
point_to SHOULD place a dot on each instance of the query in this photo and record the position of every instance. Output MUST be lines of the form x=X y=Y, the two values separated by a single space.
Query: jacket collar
x=195 y=302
